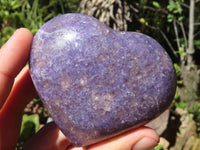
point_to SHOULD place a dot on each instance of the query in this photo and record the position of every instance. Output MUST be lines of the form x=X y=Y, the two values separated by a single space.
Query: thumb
x=50 y=137
x=142 y=138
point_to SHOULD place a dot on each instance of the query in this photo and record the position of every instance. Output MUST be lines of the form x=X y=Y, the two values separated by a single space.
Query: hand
x=16 y=90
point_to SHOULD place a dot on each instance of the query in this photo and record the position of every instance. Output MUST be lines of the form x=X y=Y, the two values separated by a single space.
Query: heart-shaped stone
x=96 y=82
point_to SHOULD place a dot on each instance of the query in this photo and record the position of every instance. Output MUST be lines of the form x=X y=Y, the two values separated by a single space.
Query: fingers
x=22 y=92
x=142 y=138
x=11 y=113
x=48 y=138
x=13 y=56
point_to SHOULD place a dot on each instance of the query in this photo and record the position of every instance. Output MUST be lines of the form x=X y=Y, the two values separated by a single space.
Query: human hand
x=16 y=90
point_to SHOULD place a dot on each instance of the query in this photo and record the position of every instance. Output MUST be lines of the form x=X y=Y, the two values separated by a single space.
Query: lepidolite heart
x=96 y=82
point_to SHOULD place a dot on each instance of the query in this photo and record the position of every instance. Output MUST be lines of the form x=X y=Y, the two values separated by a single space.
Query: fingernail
x=145 y=143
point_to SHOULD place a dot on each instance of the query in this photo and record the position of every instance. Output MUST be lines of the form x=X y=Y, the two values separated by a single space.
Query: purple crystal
x=96 y=82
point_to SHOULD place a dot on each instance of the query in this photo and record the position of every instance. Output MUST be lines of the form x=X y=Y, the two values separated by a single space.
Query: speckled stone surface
x=97 y=83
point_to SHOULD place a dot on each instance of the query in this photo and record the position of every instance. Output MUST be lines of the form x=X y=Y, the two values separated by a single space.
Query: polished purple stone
x=96 y=82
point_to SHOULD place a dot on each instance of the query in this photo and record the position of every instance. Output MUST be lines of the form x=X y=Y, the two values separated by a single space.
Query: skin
x=17 y=90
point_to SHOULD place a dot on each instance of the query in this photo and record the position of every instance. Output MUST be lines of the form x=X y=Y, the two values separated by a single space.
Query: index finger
x=13 y=56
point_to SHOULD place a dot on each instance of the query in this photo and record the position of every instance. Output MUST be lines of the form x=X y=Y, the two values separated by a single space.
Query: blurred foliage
x=195 y=111
x=175 y=10
x=182 y=105
x=178 y=74
x=159 y=147
x=30 y=125
x=197 y=44
x=156 y=4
